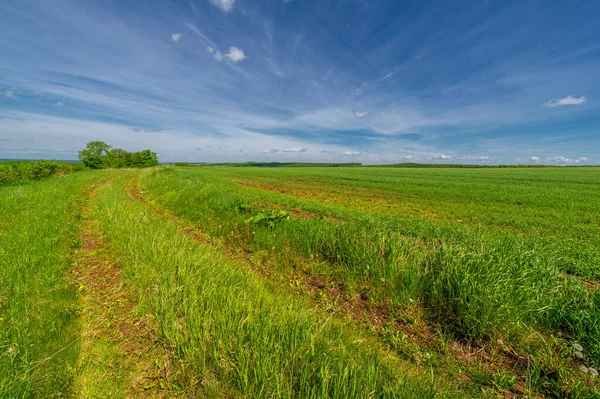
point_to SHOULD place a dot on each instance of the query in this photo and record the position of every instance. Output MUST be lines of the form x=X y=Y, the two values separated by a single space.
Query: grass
x=301 y=283
x=236 y=333
x=38 y=307
x=480 y=282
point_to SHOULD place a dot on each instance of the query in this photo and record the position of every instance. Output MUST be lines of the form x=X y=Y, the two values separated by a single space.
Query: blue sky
x=275 y=80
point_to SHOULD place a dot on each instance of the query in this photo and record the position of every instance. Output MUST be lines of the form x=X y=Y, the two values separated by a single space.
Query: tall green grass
x=476 y=283
x=235 y=334
x=38 y=307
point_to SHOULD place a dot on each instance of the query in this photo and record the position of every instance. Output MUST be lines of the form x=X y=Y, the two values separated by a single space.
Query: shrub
x=32 y=170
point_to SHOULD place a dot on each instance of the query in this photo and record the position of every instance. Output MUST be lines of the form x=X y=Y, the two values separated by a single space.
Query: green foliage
x=269 y=218
x=33 y=170
x=99 y=155
x=94 y=154
x=182 y=164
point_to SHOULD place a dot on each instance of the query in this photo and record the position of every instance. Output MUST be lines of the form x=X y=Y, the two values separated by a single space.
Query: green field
x=298 y=282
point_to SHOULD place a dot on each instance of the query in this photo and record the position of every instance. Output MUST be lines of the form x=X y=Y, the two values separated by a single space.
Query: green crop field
x=299 y=282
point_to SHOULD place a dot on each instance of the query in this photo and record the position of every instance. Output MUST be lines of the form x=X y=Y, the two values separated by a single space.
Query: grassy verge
x=38 y=307
x=508 y=293
x=237 y=335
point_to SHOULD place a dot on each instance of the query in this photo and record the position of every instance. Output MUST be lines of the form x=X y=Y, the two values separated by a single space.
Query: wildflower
x=411 y=300
x=593 y=371
x=383 y=280
x=579 y=355
x=11 y=352
x=583 y=369
x=577 y=347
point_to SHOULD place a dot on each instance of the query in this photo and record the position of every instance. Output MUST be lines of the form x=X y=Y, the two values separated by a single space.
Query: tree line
x=99 y=155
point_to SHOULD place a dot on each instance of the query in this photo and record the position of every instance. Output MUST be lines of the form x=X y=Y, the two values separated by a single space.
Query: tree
x=144 y=159
x=93 y=156
x=118 y=158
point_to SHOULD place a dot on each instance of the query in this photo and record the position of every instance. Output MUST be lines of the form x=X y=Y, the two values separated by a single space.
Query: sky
x=482 y=82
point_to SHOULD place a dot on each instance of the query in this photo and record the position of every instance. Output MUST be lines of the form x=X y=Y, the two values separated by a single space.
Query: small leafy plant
x=269 y=218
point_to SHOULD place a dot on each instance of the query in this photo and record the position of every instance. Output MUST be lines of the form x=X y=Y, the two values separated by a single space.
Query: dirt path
x=119 y=355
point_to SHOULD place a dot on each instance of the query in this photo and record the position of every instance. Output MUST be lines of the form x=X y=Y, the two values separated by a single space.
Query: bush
x=32 y=170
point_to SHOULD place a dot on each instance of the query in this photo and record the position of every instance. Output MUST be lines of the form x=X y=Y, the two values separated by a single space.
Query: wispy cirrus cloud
x=302 y=80
x=225 y=5
x=570 y=100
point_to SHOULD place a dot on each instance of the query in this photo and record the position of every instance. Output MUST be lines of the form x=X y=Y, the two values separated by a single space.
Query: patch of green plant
x=503 y=381
x=33 y=170
x=269 y=217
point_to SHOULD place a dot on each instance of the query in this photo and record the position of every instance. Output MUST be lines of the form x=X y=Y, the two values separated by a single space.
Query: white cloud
x=360 y=114
x=570 y=100
x=225 y=5
x=176 y=36
x=483 y=158
x=60 y=104
x=295 y=149
x=442 y=156
x=235 y=54
x=351 y=153
x=10 y=94
x=216 y=53
x=270 y=151
x=534 y=159
x=559 y=159
x=408 y=157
